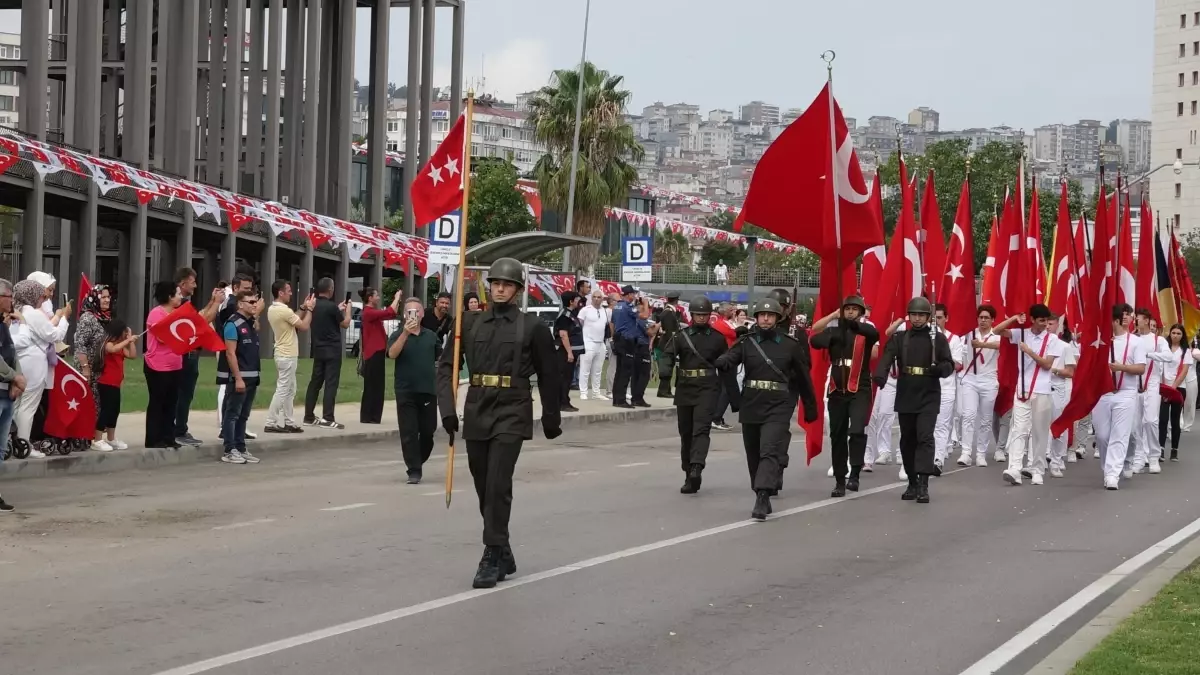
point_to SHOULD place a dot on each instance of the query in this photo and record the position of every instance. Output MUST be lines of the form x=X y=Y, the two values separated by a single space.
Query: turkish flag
x=85 y=287
x=902 y=278
x=1146 y=288
x=872 y=274
x=437 y=188
x=1015 y=294
x=827 y=301
x=1075 y=291
x=958 y=284
x=791 y=194
x=184 y=330
x=1018 y=274
x=991 y=276
x=1127 y=282
x=1093 y=378
x=1061 y=255
x=71 y=410
x=933 y=242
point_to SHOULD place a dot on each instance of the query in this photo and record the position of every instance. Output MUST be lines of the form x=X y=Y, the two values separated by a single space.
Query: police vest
x=247 y=353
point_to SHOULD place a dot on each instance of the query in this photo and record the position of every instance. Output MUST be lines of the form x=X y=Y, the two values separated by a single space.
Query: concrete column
x=456 y=60
x=203 y=77
x=254 y=97
x=235 y=22
x=270 y=184
x=185 y=240
x=411 y=130
x=228 y=256
x=162 y=58
x=35 y=31
x=427 y=33
x=377 y=136
x=181 y=83
x=133 y=287
x=57 y=88
x=293 y=124
x=269 y=275
x=325 y=107
x=216 y=96
x=307 y=188
x=88 y=230
x=83 y=79
x=135 y=136
x=377 y=272
x=307 y=281
x=109 y=91
x=340 y=134
x=33 y=231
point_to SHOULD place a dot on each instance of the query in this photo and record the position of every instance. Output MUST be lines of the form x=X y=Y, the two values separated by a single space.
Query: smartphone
x=411 y=314
x=348 y=296
x=312 y=291
x=64 y=300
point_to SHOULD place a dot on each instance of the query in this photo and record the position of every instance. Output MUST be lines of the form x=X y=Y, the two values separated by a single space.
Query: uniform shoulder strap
x=516 y=364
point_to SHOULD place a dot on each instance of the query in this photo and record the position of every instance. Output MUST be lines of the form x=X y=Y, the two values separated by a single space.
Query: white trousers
x=879 y=429
x=591 y=367
x=220 y=403
x=1146 y=429
x=977 y=403
x=1189 y=406
x=25 y=408
x=1112 y=420
x=1059 y=396
x=945 y=419
x=612 y=370
x=956 y=421
x=1030 y=432
x=1002 y=428
x=283 y=401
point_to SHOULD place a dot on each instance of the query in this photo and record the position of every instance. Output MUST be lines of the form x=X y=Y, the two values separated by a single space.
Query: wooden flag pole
x=458 y=284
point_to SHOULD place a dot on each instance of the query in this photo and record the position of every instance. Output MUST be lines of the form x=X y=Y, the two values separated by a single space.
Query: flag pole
x=1071 y=258
x=458 y=284
x=828 y=57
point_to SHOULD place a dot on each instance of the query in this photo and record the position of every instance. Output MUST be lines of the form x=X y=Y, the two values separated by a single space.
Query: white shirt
x=956 y=353
x=980 y=364
x=721 y=271
x=1036 y=379
x=594 y=319
x=1179 y=357
x=1130 y=352
x=32 y=337
x=1158 y=354
x=1191 y=376
x=1068 y=357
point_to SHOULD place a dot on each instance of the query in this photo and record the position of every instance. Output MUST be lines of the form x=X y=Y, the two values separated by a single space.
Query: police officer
x=668 y=327
x=502 y=348
x=849 y=342
x=922 y=356
x=695 y=350
x=776 y=375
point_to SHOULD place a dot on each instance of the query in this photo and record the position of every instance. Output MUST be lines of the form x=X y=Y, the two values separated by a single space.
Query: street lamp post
x=587 y=14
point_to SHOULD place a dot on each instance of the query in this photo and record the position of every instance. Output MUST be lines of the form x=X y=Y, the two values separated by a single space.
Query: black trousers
x=417 y=417
x=162 y=386
x=666 y=369
x=1169 y=412
x=566 y=373
x=187 y=390
x=374 y=374
x=766 y=452
x=110 y=407
x=916 y=442
x=695 y=426
x=492 y=464
x=848 y=415
x=633 y=371
x=327 y=373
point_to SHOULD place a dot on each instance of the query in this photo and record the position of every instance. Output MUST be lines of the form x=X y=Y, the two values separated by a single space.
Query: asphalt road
x=162 y=571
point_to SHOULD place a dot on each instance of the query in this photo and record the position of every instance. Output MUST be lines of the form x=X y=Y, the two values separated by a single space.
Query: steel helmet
x=855 y=301
x=919 y=305
x=701 y=305
x=507 y=269
x=768 y=305
x=781 y=296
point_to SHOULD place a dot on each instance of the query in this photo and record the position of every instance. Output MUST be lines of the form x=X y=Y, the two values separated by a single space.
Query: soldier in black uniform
x=776 y=375
x=502 y=348
x=922 y=356
x=668 y=328
x=695 y=349
x=849 y=342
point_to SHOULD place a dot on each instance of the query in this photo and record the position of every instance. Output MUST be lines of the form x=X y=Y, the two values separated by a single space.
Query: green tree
x=718 y=251
x=671 y=248
x=497 y=207
x=608 y=149
x=1189 y=247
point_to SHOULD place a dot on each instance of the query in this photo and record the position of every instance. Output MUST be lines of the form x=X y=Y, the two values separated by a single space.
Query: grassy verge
x=1161 y=638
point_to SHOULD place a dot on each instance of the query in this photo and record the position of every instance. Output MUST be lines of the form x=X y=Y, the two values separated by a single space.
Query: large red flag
x=1092 y=375
x=933 y=242
x=1061 y=271
x=437 y=188
x=902 y=278
x=1146 y=289
x=991 y=273
x=1185 y=287
x=1021 y=271
x=958 y=284
x=184 y=330
x=874 y=257
x=1126 y=283
x=71 y=410
x=790 y=192
x=1079 y=280
x=85 y=287
x=828 y=300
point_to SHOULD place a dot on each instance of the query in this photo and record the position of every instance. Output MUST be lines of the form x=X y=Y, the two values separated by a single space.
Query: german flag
x=1168 y=303
x=1187 y=305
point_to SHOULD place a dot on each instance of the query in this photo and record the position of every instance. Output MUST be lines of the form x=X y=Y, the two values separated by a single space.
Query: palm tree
x=608 y=149
x=671 y=248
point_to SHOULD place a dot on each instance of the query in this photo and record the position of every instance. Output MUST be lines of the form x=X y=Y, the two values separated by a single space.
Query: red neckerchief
x=1037 y=367
x=1145 y=378
x=1113 y=354
x=977 y=353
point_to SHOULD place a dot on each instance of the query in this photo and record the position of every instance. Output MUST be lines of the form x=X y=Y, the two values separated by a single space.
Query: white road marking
x=1039 y=629
x=578 y=473
x=633 y=464
x=347 y=507
x=421 y=608
x=248 y=523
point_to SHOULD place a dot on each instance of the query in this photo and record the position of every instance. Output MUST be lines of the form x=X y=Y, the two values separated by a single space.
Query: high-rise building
x=926 y=119
x=1174 y=113
x=10 y=93
x=759 y=113
x=1074 y=146
x=1134 y=138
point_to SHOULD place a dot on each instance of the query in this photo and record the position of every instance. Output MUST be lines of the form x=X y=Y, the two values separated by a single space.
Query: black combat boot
x=694 y=476
x=762 y=505
x=923 y=489
x=665 y=392
x=911 y=493
x=937 y=468
x=489 y=568
x=839 y=488
x=508 y=563
x=852 y=481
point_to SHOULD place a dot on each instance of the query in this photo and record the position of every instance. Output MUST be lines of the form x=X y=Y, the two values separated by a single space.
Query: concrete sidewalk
x=203 y=425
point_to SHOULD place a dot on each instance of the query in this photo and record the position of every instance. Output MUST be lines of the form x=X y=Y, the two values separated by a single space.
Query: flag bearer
x=1114 y=416
x=776 y=375
x=1033 y=403
x=1145 y=426
x=945 y=420
x=980 y=384
x=922 y=357
x=692 y=355
x=1061 y=375
x=849 y=342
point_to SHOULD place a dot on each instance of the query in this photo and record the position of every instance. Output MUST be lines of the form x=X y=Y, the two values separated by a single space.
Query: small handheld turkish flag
x=184 y=331
x=438 y=186
x=71 y=410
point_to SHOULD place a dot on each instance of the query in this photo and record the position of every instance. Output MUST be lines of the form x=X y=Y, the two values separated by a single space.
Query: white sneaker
x=1056 y=472
x=1144 y=469
x=1000 y=456
x=1013 y=477
x=118 y=445
x=101 y=446
x=1079 y=453
x=1110 y=484
x=1096 y=455
x=965 y=459
x=903 y=476
x=583 y=397
x=34 y=453
x=829 y=473
x=1127 y=474
x=869 y=467
x=599 y=396
x=885 y=458
x=981 y=459
x=1071 y=457
x=1036 y=480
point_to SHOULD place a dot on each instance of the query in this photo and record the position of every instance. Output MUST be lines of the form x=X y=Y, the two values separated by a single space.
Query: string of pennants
x=693 y=231
x=238 y=209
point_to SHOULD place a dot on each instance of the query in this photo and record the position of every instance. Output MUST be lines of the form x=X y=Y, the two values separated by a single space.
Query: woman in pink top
x=162 y=368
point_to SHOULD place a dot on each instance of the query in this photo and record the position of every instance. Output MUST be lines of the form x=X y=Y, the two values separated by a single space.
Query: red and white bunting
x=693 y=231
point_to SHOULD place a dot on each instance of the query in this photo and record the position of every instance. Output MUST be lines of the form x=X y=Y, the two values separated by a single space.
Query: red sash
x=856 y=364
x=1145 y=379
x=1037 y=368
x=1124 y=357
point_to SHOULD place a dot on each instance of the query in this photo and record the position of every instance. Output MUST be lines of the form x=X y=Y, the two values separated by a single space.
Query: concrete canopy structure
x=523 y=246
x=155 y=84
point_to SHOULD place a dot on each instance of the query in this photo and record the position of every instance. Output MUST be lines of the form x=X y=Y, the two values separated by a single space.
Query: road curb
x=91 y=462
x=1064 y=658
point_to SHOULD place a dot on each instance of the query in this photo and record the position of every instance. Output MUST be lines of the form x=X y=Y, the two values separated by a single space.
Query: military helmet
x=919 y=305
x=781 y=296
x=701 y=305
x=672 y=296
x=769 y=305
x=855 y=301
x=507 y=269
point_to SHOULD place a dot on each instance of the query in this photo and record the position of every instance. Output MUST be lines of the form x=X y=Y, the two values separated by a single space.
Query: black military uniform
x=922 y=356
x=695 y=349
x=668 y=327
x=503 y=348
x=776 y=375
x=849 y=343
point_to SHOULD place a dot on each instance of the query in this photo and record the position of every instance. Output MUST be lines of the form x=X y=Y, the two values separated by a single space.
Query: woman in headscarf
x=47 y=280
x=34 y=339
x=90 y=336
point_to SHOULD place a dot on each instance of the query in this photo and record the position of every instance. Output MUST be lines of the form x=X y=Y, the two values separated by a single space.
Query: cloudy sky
x=979 y=62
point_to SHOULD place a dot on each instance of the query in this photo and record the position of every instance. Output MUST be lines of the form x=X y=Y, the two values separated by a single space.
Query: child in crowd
x=119 y=344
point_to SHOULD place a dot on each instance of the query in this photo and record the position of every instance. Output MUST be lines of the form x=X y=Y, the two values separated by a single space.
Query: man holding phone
x=284 y=324
x=416 y=350
x=328 y=321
